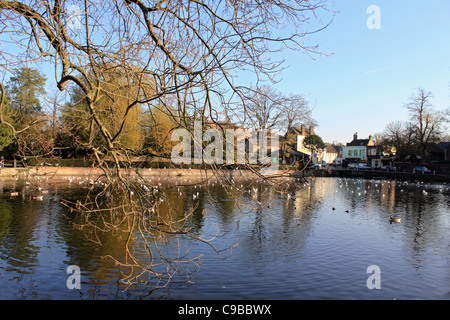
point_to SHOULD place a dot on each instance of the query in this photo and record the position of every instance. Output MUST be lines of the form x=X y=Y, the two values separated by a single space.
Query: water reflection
x=312 y=240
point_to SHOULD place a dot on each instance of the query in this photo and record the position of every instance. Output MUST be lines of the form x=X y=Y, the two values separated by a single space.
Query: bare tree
x=268 y=108
x=189 y=51
x=263 y=107
x=397 y=137
x=295 y=111
x=413 y=137
x=425 y=119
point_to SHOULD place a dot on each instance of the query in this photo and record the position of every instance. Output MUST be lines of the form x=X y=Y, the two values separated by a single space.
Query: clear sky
x=371 y=73
x=362 y=87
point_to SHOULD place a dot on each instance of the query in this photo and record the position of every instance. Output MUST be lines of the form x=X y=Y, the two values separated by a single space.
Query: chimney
x=355 y=136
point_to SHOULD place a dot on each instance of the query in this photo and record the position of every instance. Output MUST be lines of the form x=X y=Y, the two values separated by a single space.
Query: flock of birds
x=38 y=197
x=243 y=186
x=390 y=189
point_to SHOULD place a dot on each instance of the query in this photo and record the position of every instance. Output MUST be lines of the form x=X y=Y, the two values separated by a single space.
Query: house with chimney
x=361 y=151
x=294 y=150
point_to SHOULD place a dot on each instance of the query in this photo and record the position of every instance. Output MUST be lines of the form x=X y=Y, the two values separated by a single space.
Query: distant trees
x=313 y=142
x=6 y=132
x=157 y=125
x=424 y=127
x=24 y=125
x=295 y=111
x=78 y=129
x=397 y=137
x=263 y=107
x=268 y=108
x=426 y=121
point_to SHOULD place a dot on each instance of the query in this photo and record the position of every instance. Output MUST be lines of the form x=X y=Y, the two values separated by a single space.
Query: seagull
x=394 y=220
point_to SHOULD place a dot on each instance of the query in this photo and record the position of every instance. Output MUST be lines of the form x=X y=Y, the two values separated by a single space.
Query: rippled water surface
x=315 y=243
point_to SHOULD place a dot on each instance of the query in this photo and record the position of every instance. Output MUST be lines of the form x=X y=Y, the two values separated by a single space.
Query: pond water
x=316 y=242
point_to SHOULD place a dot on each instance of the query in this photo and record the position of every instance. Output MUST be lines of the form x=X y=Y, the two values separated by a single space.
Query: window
x=349 y=153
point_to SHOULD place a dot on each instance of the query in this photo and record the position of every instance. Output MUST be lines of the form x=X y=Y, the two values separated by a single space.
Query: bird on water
x=394 y=220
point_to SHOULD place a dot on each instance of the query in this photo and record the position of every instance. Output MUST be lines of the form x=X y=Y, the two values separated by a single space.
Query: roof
x=297 y=153
x=443 y=145
x=337 y=148
x=360 y=142
x=330 y=149
x=220 y=124
x=432 y=147
x=302 y=131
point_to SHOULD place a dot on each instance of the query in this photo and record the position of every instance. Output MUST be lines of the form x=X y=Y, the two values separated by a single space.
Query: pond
x=330 y=238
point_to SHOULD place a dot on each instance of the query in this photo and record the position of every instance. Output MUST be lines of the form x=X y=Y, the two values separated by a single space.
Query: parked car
x=421 y=170
x=390 y=168
x=362 y=166
x=315 y=166
x=352 y=165
x=358 y=166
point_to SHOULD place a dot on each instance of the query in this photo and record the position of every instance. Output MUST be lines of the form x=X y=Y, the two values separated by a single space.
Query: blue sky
x=364 y=84
x=362 y=87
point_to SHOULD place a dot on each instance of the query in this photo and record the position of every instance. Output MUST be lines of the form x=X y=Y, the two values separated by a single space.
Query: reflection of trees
x=365 y=194
x=280 y=220
x=6 y=217
x=17 y=234
x=148 y=231
x=268 y=221
x=270 y=225
x=424 y=219
x=312 y=195
x=419 y=206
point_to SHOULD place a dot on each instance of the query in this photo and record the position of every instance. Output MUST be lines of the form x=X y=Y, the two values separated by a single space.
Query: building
x=295 y=151
x=301 y=134
x=435 y=153
x=329 y=154
x=445 y=147
x=360 y=150
x=325 y=156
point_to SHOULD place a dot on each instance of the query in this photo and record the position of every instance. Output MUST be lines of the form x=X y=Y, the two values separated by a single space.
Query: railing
x=382 y=170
